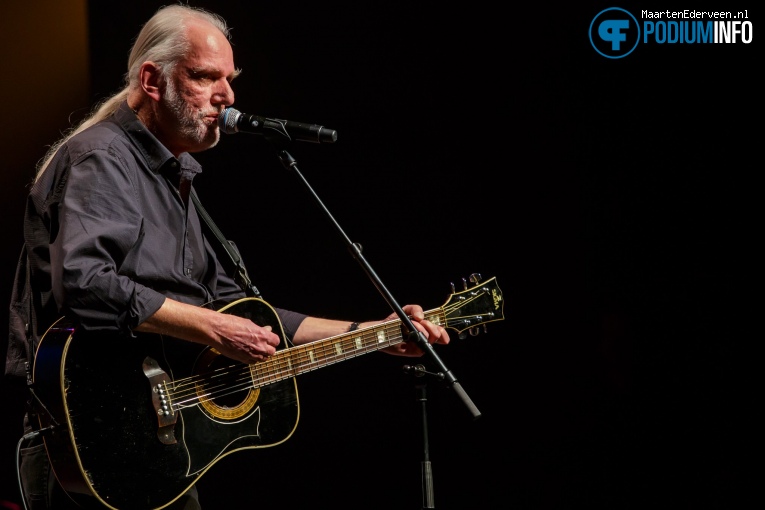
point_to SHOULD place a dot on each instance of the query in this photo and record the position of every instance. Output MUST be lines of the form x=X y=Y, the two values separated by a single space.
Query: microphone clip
x=419 y=371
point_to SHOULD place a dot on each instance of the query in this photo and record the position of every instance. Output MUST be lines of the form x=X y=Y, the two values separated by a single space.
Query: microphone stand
x=421 y=385
x=413 y=335
x=443 y=374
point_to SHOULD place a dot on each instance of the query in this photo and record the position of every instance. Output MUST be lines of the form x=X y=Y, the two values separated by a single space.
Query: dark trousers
x=43 y=492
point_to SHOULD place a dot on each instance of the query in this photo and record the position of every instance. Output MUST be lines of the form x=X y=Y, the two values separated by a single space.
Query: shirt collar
x=157 y=156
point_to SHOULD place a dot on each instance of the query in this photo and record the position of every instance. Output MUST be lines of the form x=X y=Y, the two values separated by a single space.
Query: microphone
x=233 y=121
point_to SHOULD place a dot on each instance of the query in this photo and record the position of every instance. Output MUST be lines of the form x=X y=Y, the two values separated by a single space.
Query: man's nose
x=223 y=94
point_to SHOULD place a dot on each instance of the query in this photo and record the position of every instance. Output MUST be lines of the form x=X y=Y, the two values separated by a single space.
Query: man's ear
x=150 y=79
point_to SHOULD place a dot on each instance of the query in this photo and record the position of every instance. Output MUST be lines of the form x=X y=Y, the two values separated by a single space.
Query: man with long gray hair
x=114 y=243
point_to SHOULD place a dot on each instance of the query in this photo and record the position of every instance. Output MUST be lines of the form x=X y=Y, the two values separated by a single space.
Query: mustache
x=201 y=114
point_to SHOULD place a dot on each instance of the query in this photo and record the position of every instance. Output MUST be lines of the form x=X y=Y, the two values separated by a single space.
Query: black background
x=614 y=200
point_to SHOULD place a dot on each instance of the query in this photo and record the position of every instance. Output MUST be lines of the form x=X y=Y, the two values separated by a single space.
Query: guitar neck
x=298 y=360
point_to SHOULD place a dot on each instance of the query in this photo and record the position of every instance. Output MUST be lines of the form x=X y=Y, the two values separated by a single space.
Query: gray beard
x=190 y=121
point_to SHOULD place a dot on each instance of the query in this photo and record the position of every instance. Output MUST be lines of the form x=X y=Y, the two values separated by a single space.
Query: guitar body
x=105 y=394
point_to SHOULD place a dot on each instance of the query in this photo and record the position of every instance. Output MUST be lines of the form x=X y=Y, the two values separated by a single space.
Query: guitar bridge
x=166 y=418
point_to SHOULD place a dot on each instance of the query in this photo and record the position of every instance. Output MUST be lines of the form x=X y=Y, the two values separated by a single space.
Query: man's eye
x=199 y=76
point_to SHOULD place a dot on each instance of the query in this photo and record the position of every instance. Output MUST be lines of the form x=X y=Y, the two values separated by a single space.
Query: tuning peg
x=464 y=284
x=475 y=278
x=454 y=290
x=476 y=330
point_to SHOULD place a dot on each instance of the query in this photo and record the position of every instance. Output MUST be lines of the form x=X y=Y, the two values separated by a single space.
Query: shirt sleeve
x=290 y=320
x=98 y=222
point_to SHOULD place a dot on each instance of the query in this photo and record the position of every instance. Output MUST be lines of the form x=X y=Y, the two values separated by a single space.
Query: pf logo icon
x=614 y=32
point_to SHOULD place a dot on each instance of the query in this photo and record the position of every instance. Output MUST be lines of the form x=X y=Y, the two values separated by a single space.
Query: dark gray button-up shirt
x=109 y=236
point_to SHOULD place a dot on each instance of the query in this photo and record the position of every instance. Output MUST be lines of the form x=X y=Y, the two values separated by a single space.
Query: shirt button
x=188 y=271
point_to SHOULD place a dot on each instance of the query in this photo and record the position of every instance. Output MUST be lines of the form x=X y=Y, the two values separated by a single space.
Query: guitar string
x=289 y=363
x=286 y=364
x=264 y=376
x=283 y=365
x=267 y=376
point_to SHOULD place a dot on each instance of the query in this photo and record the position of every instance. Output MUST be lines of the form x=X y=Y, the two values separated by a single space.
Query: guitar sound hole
x=226 y=386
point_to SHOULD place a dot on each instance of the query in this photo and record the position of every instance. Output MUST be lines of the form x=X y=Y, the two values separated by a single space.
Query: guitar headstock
x=466 y=310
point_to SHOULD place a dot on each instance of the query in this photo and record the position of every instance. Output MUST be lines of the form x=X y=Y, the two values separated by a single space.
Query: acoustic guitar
x=136 y=422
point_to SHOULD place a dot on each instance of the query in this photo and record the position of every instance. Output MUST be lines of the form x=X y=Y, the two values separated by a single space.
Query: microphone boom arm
x=414 y=335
